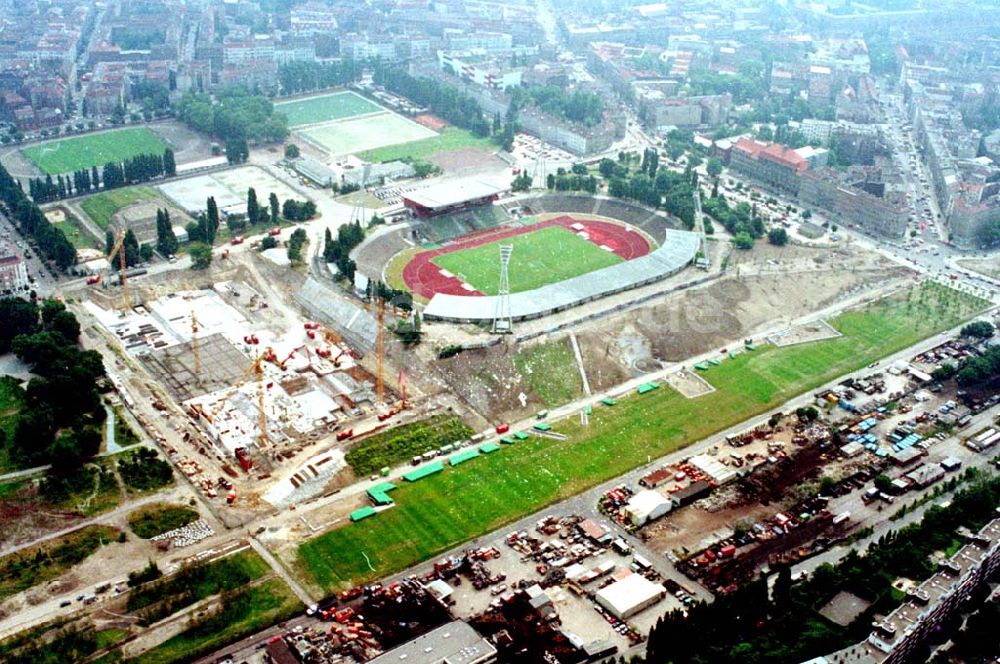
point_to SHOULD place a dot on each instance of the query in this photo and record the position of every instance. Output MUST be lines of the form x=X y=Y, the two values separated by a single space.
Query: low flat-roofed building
x=630 y=595
x=452 y=643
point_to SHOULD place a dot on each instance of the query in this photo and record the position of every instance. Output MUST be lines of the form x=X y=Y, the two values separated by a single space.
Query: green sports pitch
x=541 y=257
x=313 y=110
x=71 y=154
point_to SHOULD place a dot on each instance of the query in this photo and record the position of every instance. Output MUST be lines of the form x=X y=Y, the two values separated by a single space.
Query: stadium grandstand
x=451 y=196
x=679 y=248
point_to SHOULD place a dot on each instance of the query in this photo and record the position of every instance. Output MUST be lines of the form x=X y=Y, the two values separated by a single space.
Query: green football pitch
x=313 y=110
x=71 y=154
x=539 y=257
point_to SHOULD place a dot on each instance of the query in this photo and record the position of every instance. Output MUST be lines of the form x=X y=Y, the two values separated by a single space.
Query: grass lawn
x=243 y=613
x=103 y=206
x=540 y=257
x=71 y=154
x=325 y=108
x=551 y=371
x=402 y=443
x=444 y=510
x=153 y=520
x=43 y=562
x=73 y=229
x=449 y=140
x=11 y=400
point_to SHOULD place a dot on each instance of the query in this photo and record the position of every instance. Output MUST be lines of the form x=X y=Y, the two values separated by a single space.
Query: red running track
x=424 y=278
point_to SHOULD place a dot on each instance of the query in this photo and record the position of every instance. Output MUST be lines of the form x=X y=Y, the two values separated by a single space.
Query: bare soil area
x=689 y=384
x=468 y=161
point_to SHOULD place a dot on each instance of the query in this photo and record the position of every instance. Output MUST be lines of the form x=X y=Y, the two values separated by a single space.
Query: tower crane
x=117 y=248
x=194 y=345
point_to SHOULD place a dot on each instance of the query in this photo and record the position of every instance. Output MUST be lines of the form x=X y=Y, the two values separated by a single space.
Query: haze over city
x=474 y=332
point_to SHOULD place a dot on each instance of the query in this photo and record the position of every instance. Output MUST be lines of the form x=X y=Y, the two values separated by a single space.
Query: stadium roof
x=677 y=251
x=452 y=192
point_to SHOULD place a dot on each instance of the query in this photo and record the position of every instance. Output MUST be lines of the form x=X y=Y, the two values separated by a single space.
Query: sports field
x=71 y=154
x=442 y=511
x=359 y=134
x=313 y=110
x=541 y=257
x=449 y=140
x=546 y=252
x=103 y=206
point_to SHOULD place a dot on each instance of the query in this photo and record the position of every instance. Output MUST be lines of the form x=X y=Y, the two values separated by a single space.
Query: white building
x=13 y=270
x=647 y=506
x=630 y=595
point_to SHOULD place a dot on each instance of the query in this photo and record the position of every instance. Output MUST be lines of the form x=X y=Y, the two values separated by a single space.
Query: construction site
x=262 y=398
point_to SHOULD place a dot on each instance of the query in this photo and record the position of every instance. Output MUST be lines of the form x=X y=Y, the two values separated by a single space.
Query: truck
x=345 y=434
x=243 y=456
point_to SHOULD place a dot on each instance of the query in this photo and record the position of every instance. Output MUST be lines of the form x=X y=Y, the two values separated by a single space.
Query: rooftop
x=452 y=643
x=453 y=192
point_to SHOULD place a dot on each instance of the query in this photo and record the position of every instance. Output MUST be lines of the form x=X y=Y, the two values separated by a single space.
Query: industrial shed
x=629 y=596
x=719 y=473
x=647 y=506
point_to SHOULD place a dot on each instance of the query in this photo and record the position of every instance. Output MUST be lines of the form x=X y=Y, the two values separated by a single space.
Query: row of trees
x=51 y=241
x=563 y=181
x=304 y=76
x=60 y=418
x=294 y=210
x=141 y=168
x=444 y=100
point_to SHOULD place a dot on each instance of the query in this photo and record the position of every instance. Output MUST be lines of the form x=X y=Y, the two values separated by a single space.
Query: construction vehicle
x=237 y=240
x=275 y=231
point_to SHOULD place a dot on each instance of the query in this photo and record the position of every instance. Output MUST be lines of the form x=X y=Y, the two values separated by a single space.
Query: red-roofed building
x=773 y=164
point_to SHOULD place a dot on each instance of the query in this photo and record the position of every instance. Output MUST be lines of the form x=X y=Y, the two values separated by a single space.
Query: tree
x=131 y=246
x=713 y=167
x=295 y=243
x=979 y=329
x=883 y=483
x=273 y=201
x=237 y=150
x=166 y=241
x=146 y=252
x=777 y=236
x=253 y=207
x=19 y=317
x=169 y=162
x=269 y=242
x=201 y=255
x=550 y=181
x=292 y=151
x=743 y=240
x=212 y=215
x=521 y=183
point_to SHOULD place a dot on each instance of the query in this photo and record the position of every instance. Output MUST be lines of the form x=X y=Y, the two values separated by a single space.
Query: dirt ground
x=468 y=161
x=689 y=384
x=696 y=321
x=488 y=381
x=692 y=527
x=800 y=334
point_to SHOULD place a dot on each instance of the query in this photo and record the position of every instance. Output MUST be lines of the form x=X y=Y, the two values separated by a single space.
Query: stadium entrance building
x=452 y=196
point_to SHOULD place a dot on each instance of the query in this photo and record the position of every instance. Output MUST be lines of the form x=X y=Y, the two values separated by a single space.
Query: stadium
x=566 y=250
